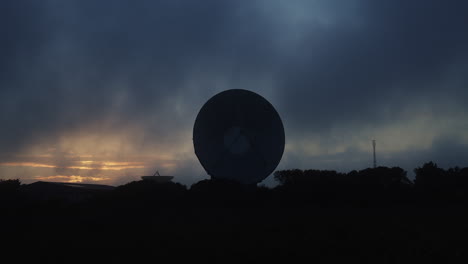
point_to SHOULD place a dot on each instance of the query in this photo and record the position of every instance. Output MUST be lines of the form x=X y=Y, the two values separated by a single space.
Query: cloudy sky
x=106 y=91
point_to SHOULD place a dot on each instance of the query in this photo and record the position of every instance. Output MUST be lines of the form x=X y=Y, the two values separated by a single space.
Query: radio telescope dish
x=239 y=136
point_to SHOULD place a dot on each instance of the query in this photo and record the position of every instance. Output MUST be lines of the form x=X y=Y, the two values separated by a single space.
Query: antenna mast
x=375 y=160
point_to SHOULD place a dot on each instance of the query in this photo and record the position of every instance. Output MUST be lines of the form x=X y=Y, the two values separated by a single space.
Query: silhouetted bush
x=430 y=177
x=460 y=177
x=383 y=177
x=306 y=178
x=9 y=186
x=151 y=191
x=324 y=186
x=221 y=192
x=439 y=184
x=9 y=190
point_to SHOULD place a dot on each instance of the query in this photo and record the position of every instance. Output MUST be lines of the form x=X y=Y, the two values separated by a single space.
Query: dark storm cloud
x=398 y=53
x=75 y=63
x=19 y=38
x=78 y=67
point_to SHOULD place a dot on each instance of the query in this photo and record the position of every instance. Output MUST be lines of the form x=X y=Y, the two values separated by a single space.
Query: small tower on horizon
x=375 y=160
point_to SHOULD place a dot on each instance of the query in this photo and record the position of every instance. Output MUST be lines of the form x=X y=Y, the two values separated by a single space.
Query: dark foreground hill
x=327 y=222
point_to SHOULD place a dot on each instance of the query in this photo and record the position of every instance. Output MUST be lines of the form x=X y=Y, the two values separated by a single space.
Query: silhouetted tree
x=462 y=177
x=437 y=184
x=9 y=186
x=9 y=190
x=287 y=177
x=307 y=178
x=368 y=186
x=385 y=177
x=149 y=191
x=430 y=177
x=301 y=187
x=224 y=192
x=381 y=176
x=461 y=182
x=458 y=184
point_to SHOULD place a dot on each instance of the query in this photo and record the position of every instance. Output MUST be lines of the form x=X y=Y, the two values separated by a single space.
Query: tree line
x=431 y=183
x=295 y=186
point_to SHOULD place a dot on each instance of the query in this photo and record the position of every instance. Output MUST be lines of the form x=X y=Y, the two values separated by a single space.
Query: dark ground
x=225 y=221
x=257 y=226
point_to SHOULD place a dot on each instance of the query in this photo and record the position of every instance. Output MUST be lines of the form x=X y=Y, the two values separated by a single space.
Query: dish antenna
x=157 y=178
x=239 y=136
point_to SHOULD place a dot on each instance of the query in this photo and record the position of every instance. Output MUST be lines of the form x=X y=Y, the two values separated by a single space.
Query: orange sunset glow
x=98 y=165
x=107 y=157
x=71 y=178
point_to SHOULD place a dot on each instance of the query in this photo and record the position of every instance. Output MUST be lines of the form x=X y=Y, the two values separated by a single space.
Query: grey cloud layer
x=105 y=66
x=400 y=54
